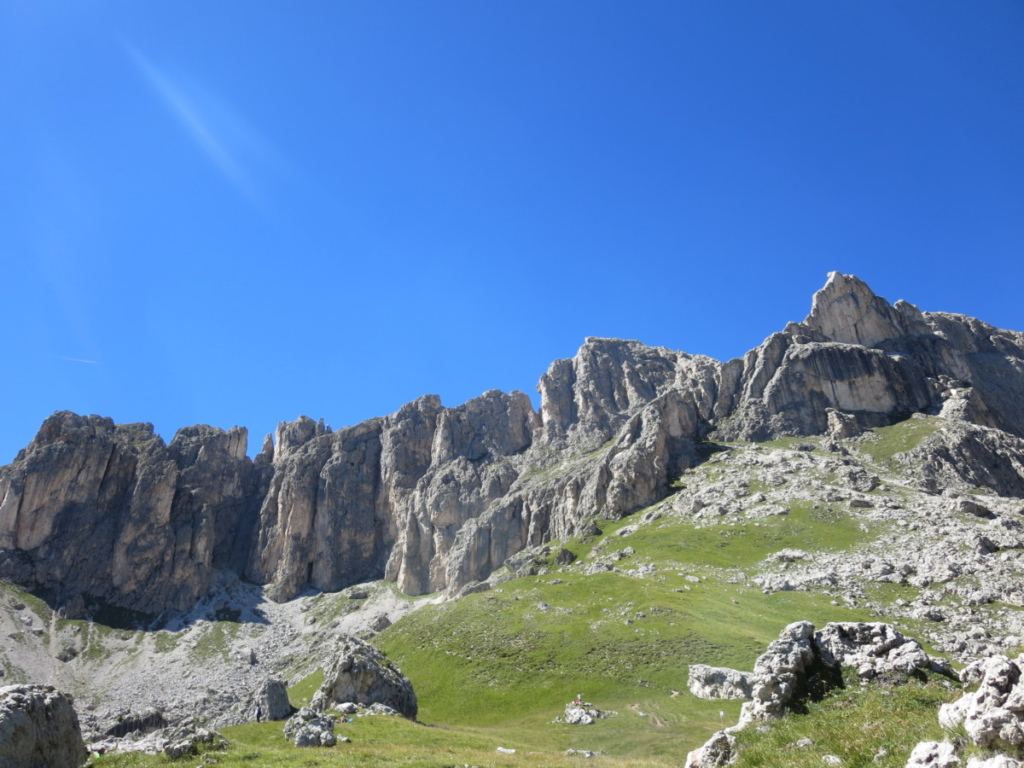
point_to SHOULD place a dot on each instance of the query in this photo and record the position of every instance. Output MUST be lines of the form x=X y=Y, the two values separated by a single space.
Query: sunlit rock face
x=39 y=727
x=859 y=355
x=437 y=498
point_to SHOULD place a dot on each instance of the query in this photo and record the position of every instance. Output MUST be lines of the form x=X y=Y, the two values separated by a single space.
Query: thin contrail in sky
x=218 y=132
x=75 y=360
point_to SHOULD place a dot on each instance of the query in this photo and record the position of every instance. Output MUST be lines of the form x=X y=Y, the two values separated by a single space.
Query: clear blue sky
x=240 y=211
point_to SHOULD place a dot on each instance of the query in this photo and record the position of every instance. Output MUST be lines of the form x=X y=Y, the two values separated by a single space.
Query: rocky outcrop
x=965 y=456
x=136 y=722
x=437 y=498
x=386 y=497
x=716 y=752
x=995 y=761
x=361 y=675
x=873 y=649
x=91 y=511
x=587 y=400
x=175 y=741
x=579 y=712
x=718 y=683
x=39 y=728
x=271 y=701
x=803 y=665
x=860 y=356
x=308 y=728
x=933 y=754
x=993 y=714
x=783 y=674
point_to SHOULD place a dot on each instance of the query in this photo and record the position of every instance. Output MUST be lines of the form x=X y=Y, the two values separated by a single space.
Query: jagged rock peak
x=94 y=510
x=585 y=400
x=292 y=435
x=846 y=310
x=69 y=428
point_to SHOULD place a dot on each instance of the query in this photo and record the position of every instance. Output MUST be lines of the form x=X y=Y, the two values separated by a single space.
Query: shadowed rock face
x=435 y=498
x=98 y=511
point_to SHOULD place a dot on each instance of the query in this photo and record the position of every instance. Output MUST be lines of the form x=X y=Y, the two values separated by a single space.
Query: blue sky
x=242 y=211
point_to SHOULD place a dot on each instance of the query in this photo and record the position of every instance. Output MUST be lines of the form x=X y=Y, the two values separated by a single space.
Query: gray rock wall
x=104 y=512
x=361 y=675
x=434 y=498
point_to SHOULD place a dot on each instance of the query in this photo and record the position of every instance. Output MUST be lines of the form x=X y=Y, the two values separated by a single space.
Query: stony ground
x=207 y=661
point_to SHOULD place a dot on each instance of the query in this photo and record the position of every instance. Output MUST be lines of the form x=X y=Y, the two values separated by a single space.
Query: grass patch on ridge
x=854 y=724
x=906 y=435
x=737 y=542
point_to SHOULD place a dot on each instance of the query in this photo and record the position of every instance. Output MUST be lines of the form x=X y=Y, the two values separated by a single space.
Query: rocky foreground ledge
x=39 y=728
x=804 y=664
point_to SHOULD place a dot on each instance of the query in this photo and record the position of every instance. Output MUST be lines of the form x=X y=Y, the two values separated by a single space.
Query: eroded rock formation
x=438 y=498
x=803 y=664
x=361 y=675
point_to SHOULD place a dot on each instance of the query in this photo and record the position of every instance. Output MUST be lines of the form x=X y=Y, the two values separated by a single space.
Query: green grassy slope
x=496 y=668
x=508 y=662
x=865 y=726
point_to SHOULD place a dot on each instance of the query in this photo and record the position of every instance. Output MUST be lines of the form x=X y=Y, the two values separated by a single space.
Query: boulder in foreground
x=361 y=675
x=39 y=728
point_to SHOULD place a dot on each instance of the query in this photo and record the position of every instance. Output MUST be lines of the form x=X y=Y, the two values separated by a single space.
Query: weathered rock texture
x=718 y=682
x=308 y=728
x=39 y=729
x=992 y=715
x=271 y=701
x=716 y=752
x=933 y=754
x=438 y=498
x=175 y=741
x=361 y=675
x=93 y=511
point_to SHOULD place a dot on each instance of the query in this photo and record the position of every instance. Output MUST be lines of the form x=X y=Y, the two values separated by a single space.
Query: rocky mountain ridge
x=436 y=499
x=838 y=528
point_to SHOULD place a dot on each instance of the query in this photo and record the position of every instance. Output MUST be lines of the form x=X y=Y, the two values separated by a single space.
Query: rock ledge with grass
x=803 y=664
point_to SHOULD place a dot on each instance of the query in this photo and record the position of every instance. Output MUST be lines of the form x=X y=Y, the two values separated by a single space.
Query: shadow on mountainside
x=230 y=600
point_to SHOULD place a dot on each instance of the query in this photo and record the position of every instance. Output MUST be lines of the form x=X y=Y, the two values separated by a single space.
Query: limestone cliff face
x=435 y=498
x=859 y=355
x=90 y=510
x=385 y=497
